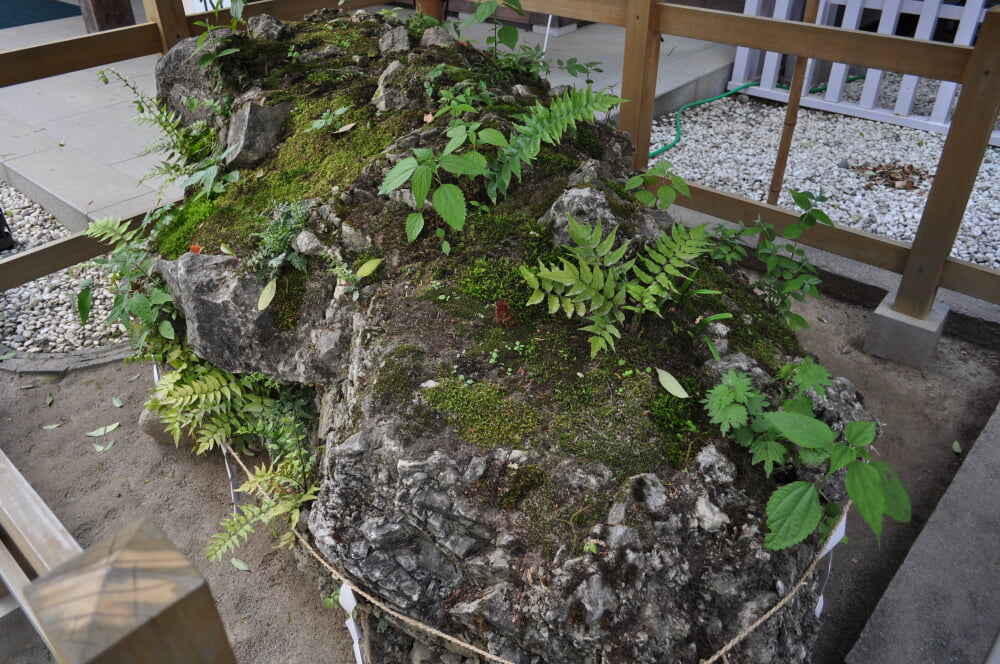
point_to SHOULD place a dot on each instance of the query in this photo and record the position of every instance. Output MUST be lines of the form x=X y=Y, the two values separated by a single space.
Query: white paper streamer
x=348 y=602
x=835 y=537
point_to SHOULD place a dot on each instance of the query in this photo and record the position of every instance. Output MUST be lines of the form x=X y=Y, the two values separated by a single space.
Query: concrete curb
x=63 y=363
x=941 y=605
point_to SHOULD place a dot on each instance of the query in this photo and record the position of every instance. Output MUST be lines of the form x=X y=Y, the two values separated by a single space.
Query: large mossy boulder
x=482 y=473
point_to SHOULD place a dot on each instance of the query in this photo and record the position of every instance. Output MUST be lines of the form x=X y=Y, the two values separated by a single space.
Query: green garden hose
x=677 y=118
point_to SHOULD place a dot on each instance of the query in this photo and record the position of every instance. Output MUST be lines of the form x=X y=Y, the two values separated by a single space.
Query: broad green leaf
x=860 y=433
x=421 y=183
x=841 y=455
x=369 y=267
x=956 y=447
x=224 y=248
x=865 y=487
x=529 y=277
x=50 y=427
x=239 y=564
x=140 y=307
x=104 y=448
x=414 y=225
x=160 y=296
x=897 y=502
x=84 y=303
x=449 y=202
x=507 y=35
x=536 y=298
x=102 y=431
x=666 y=197
x=793 y=512
x=802 y=430
x=398 y=176
x=670 y=384
x=7 y=356
x=768 y=451
x=116 y=402
x=792 y=232
x=166 y=330
x=459 y=165
x=801 y=198
x=267 y=295
x=680 y=185
x=493 y=137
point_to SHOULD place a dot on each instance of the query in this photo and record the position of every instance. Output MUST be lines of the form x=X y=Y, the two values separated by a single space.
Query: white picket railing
x=882 y=96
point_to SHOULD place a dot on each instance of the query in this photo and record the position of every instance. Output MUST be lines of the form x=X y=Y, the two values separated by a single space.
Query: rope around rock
x=722 y=653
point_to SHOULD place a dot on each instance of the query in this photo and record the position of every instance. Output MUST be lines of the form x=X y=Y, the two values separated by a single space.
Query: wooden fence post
x=642 y=58
x=791 y=112
x=433 y=8
x=106 y=14
x=968 y=138
x=171 y=20
x=131 y=598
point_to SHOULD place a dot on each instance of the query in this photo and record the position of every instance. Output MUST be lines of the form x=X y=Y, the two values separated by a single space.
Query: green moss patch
x=484 y=414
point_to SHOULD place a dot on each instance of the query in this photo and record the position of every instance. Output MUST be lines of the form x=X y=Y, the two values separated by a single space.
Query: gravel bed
x=876 y=175
x=40 y=316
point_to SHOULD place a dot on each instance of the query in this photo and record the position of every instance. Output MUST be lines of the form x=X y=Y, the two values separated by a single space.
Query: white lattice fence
x=904 y=100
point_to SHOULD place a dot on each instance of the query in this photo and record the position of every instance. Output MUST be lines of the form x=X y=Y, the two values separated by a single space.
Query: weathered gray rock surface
x=536 y=554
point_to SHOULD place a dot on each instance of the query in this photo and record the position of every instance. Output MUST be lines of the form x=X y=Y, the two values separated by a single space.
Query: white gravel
x=731 y=144
x=40 y=316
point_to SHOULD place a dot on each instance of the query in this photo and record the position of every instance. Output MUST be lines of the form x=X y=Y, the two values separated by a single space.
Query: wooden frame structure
x=925 y=267
x=131 y=598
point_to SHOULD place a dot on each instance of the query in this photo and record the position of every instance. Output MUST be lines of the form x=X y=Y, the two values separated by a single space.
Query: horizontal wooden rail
x=897 y=54
x=51 y=257
x=100 y=48
x=960 y=276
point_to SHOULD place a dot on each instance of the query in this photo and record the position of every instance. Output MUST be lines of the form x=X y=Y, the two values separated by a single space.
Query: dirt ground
x=274 y=613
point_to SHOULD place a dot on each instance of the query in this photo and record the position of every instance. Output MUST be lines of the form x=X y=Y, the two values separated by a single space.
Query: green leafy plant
x=425 y=170
x=187 y=149
x=331 y=118
x=350 y=278
x=544 y=124
x=207 y=58
x=142 y=303
x=788 y=273
x=597 y=283
x=274 y=250
x=667 y=185
x=791 y=434
x=574 y=68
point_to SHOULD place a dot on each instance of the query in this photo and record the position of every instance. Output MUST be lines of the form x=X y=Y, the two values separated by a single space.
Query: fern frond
x=236 y=528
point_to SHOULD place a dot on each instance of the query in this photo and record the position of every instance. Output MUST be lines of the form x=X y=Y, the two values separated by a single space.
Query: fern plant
x=597 y=283
x=205 y=402
x=544 y=124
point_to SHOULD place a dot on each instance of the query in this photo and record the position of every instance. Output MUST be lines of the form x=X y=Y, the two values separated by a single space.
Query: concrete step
x=942 y=605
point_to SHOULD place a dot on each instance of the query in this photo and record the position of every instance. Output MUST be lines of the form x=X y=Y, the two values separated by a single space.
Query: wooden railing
x=131 y=598
x=925 y=266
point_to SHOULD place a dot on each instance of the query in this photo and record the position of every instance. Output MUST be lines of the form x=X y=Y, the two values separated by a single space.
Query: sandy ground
x=274 y=612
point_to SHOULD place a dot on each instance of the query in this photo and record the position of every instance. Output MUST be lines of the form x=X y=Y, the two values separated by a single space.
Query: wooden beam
x=968 y=137
x=433 y=8
x=170 y=19
x=898 y=54
x=51 y=257
x=101 y=48
x=857 y=245
x=642 y=58
x=30 y=525
x=130 y=598
x=106 y=14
